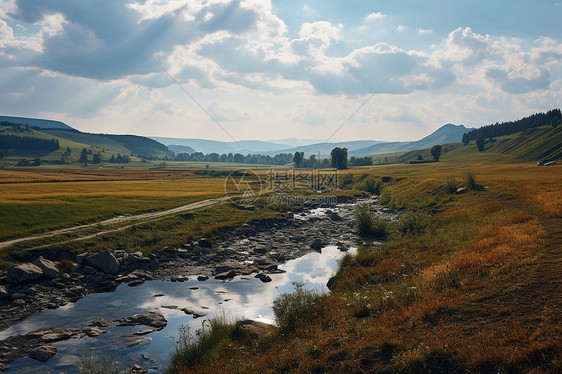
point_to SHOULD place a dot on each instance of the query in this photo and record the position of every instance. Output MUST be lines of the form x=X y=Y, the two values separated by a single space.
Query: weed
x=368 y=225
x=369 y=184
x=94 y=364
x=470 y=180
x=67 y=266
x=452 y=185
x=201 y=347
x=290 y=308
x=413 y=223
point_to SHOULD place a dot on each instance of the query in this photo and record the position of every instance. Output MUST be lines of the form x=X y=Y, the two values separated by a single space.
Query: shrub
x=67 y=266
x=290 y=308
x=452 y=185
x=369 y=225
x=201 y=347
x=93 y=364
x=346 y=181
x=470 y=181
x=413 y=223
x=369 y=184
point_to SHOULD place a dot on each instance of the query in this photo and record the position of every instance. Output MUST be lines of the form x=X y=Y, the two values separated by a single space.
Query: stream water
x=244 y=297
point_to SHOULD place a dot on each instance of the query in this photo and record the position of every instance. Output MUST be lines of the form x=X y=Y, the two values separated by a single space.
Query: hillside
x=36 y=122
x=214 y=146
x=539 y=143
x=448 y=133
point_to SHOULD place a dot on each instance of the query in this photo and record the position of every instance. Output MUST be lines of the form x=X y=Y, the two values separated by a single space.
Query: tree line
x=279 y=159
x=28 y=143
x=551 y=118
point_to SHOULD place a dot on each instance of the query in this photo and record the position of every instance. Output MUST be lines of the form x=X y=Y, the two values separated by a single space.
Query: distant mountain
x=177 y=149
x=296 y=142
x=326 y=148
x=36 y=122
x=448 y=133
x=215 y=146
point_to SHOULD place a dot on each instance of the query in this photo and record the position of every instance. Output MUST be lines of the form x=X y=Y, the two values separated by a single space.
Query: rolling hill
x=36 y=122
x=214 y=146
x=448 y=133
x=539 y=143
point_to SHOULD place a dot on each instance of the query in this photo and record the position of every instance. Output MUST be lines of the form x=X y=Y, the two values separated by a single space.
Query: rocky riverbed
x=254 y=248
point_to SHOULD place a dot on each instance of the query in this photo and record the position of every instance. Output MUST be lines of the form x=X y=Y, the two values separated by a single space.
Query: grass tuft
x=369 y=225
x=290 y=308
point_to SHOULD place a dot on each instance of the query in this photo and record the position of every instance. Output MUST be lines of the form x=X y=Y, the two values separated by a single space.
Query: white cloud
x=375 y=16
x=400 y=28
x=424 y=31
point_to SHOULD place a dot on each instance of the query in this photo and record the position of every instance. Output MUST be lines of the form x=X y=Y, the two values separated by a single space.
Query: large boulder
x=317 y=244
x=43 y=353
x=104 y=261
x=49 y=268
x=256 y=329
x=24 y=273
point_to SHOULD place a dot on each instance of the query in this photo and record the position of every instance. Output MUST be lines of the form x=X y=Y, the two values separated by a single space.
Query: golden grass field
x=479 y=290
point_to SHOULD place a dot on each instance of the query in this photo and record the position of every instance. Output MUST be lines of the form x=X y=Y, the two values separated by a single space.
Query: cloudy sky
x=282 y=68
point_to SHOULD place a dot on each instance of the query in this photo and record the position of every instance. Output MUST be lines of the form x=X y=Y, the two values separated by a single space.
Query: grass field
x=475 y=287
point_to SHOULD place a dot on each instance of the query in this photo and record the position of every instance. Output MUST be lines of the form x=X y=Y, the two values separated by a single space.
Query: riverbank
x=475 y=286
x=255 y=247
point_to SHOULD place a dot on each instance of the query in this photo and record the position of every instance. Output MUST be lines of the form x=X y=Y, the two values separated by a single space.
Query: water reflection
x=243 y=297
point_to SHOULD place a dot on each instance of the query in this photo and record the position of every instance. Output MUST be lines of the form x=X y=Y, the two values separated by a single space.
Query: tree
x=97 y=158
x=297 y=159
x=436 y=152
x=37 y=162
x=112 y=159
x=339 y=158
x=1 y=155
x=68 y=150
x=83 y=155
x=480 y=143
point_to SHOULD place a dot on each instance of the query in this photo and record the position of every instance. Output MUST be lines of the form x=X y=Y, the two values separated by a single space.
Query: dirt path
x=116 y=221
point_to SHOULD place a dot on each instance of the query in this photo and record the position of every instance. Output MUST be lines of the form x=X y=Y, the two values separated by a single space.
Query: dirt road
x=112 y=222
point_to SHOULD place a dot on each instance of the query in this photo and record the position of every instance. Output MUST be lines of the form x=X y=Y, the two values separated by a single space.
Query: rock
x=226 y=275
x=87 y=269
x=49 y=268
x=335 y=217
x=195 y=312
x=256 y=329
x=461 y=190
x=202 y=278
x=105 y=261
x=144 y=332
x=223 y=268
x=137 y=369
x=260 y=250
x=331 y=283
x=204 y=243
x=23 y=273
x=53 y=334
x=263 y=277
x=4 y=295
x=317 y=244
x=81 y=257
x=43 y=353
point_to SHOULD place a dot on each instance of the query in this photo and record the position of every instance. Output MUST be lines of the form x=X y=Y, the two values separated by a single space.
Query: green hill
x=534 y=144
x=35 y=122
x=71 y=143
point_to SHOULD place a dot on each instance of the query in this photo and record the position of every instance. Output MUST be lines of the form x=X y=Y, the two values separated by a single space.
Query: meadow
x=464 y=282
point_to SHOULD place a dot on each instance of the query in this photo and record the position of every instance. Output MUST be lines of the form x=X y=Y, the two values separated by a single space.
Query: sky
x=261 y=69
